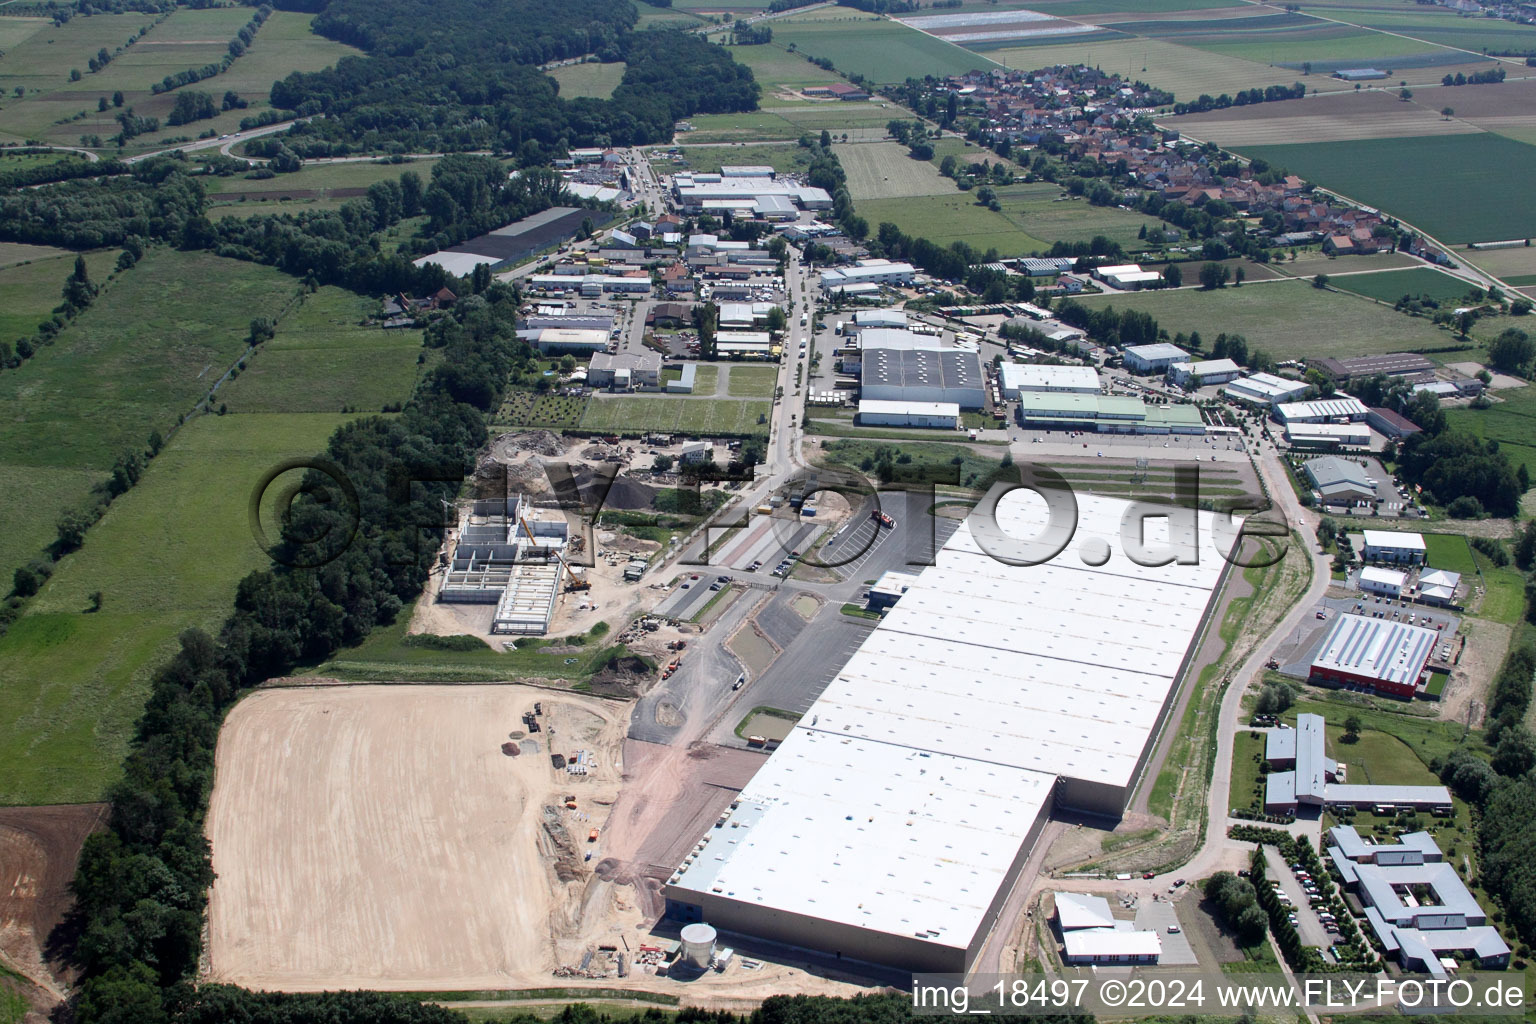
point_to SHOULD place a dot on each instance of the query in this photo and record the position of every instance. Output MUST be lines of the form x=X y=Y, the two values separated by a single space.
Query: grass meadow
x=144 y=353
x=880 y=50
x=1511 y=421
x=30 y=291
x=140 y=357
x=775 y=67
x=1458 y=188
x=1031 y=219
x=596 y=81
x=1284 y=318
x=1391 y=285
x=166 y=557
x=667 y=414
x=321 y=360
x=352 y=174
x=189 y=38
x=752 y=381
x=785 y=159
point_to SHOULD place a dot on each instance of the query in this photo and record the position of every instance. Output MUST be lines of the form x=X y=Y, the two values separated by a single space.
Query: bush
x=1465 y=507
x=456 y=642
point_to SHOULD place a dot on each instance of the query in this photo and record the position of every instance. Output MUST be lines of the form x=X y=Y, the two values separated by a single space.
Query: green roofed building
x=1105 y=414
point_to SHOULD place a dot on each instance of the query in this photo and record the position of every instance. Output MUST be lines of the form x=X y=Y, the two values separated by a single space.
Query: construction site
x=440 y=837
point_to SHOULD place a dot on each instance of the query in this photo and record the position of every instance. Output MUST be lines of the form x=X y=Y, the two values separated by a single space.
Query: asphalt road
x=700 y=688
x=799 y=675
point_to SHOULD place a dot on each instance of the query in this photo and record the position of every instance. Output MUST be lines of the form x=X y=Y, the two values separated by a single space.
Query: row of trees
x=1243 y=98
x=141 y=886
x=237 y=47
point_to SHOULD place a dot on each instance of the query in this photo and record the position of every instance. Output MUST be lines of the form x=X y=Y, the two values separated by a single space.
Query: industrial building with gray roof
x=1339 y=480
x=899 y=366
x=1416 y=904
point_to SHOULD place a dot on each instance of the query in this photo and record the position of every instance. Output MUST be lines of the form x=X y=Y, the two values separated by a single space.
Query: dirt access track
x=381 y=837
x=39 y=848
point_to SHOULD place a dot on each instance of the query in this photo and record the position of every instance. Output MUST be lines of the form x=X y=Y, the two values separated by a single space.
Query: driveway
x=1158 y=916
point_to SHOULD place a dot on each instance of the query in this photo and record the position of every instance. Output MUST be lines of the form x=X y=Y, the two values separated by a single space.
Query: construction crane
x=574 y=582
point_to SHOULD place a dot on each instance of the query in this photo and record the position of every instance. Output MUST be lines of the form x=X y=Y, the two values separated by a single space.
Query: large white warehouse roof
x=873 y=835
x=916 y=781
x=1019 y=376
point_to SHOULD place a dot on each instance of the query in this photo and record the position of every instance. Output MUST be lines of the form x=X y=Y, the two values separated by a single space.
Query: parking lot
x=1308 y=926
x=1296 y=652
x=798 y=676
x=692 y=593
x=1159 y=916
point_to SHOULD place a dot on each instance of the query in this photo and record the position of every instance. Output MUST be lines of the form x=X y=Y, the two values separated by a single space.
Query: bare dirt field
x=1517 y=262
x=39 y=848
x=381 y=837
x=671 y=793
x=1330 y=118
x=884 y=170
x=1513 y=100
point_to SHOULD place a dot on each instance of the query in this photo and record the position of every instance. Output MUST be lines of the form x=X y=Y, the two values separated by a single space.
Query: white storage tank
x=698 y=944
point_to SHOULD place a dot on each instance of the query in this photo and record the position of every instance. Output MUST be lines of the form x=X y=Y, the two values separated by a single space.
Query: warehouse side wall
x=905 y=952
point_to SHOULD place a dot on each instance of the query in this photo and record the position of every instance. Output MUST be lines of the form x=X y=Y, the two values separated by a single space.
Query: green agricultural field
x=752 y=381
x=142 y=355
x=952 y=218
x=1511 y=421
x=666 y=18
x=1447 y=28
x=1394 y=284
x=166 y=557
x=1182 y=70
x=31 y=498
x=1035 y=209
x=596 y=81
x=885 y=170
x=718 y=6
x=693 y=416
x=753 y=126
x=1326 y=42
x=774 y=67
x=29 y=292
x=881 y=51
x=189 y=38
x=146 y=352
x=1029 y=221
x=353 y=174
x=15 y=31
x=1461 y=188
x=38 y=56
x=322 y=360
x=840 y=117
x=12 y=253
x=785 y=159
x=1280 y=317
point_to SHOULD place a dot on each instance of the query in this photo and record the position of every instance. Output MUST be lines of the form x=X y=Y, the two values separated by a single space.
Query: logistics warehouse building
x=893 y=821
